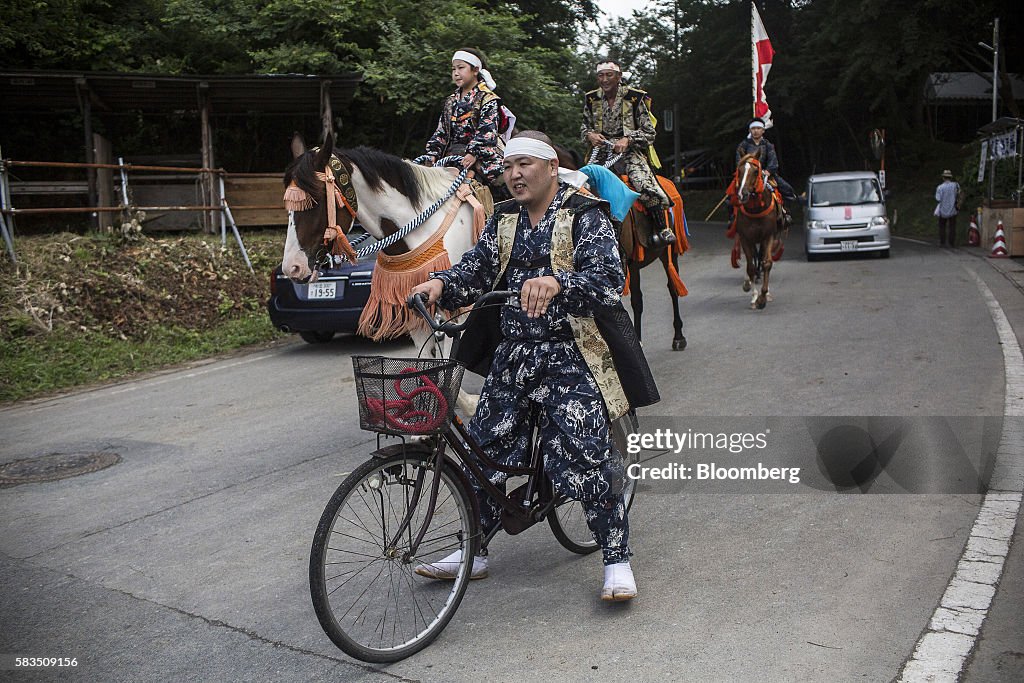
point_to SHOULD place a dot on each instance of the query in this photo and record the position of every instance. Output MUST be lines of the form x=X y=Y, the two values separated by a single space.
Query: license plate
x=848 y=245
x=321 y=290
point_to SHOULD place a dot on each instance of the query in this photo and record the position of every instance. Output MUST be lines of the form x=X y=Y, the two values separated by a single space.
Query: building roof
x=1001 y=125
x=44 y=91
x=966 y=85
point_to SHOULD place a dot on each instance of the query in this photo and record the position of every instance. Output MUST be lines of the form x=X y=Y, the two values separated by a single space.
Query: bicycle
x=412 y=503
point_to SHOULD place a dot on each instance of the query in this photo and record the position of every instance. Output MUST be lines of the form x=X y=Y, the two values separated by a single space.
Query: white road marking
x=956 y=623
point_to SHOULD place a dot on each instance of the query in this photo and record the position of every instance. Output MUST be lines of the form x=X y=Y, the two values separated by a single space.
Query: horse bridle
x=744 y=198
x=340 y=194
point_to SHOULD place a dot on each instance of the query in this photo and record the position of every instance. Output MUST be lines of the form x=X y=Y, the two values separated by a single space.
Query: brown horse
x=633 y=238
x=757 y=223
x=638 y=222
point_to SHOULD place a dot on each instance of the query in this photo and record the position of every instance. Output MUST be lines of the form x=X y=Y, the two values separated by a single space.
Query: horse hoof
x=679 y=344
x=761 y=304
x=746 y=285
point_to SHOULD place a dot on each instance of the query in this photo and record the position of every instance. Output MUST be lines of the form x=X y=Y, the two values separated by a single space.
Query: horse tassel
x=342 y=247
x=467 y=194
x=297 y=199
x=677 y=283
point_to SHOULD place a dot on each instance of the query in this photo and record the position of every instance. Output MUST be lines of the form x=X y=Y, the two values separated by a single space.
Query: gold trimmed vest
x=589 y=341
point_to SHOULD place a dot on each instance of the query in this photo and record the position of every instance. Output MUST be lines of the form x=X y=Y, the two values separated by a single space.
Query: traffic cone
x=973 y=235
x=999 y=243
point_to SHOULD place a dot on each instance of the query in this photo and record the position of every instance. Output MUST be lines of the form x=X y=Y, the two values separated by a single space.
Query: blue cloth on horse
x=611 y=189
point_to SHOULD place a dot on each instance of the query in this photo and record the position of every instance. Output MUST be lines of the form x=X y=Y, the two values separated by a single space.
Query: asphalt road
x=188 y=559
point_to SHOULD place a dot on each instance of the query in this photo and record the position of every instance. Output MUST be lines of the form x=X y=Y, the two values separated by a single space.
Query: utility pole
x=994 y=49
x=995 y=70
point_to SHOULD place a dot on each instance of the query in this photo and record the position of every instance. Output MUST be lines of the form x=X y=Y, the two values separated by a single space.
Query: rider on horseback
x=755 y=143
x=619 y=116
x=472 y=122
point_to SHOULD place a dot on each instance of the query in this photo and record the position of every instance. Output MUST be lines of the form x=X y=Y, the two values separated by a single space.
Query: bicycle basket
x=406 y=396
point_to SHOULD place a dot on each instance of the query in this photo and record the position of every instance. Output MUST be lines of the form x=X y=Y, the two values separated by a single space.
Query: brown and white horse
x=384 y=193
x=756 y=221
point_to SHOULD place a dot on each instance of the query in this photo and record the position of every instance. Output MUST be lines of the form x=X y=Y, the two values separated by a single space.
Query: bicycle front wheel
x=567 y=520
x=366 y=593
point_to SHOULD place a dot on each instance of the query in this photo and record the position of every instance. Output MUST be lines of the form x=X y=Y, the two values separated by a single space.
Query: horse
x=325 y=184
x=637 y=255
x=638 y=222
x=757 y=212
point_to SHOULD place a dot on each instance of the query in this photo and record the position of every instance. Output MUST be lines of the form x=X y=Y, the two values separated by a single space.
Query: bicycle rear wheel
x=567 y=520
x=366 y=595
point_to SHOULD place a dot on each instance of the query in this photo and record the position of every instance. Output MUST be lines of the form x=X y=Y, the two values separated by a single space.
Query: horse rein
x=611 y=161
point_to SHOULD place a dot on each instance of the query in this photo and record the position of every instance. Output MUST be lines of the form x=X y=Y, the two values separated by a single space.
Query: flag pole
x=754 y=63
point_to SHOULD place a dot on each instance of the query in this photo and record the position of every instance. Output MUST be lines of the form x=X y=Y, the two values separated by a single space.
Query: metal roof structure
x=105 y=94
x=44 y=91
x=966 y=85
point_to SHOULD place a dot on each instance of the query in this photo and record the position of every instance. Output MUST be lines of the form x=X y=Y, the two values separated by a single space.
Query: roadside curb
x=955 y=628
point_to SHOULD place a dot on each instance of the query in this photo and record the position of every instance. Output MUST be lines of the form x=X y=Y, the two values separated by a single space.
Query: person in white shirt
x=947 y=195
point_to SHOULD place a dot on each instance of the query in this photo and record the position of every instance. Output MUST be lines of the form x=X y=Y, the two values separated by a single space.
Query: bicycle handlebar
x=418 y=302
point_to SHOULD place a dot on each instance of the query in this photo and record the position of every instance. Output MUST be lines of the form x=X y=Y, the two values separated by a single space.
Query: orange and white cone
x=999 y=243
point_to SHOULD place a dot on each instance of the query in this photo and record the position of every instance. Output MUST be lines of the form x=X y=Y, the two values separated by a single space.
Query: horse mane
x=377 y=168
x=433 y=181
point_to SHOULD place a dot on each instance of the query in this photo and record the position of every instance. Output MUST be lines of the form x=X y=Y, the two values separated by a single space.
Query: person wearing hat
x=754 y=142
x=947 y=194
x=619 y=115
x=471 y=121
x=557 y=247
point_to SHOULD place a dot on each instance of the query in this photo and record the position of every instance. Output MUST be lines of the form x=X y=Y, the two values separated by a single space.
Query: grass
x=34 y=366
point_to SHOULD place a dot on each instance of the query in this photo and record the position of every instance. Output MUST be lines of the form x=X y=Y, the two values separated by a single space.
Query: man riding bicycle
x=558 y=248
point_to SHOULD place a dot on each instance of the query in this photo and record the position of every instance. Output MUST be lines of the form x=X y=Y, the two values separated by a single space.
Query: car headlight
x=817 y=225
x=879 y=221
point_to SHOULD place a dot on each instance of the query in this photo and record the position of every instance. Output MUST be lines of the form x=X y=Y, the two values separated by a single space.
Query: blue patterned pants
x=579 y=455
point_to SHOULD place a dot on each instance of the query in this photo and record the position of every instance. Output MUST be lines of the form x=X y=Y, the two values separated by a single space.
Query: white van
x=845 y=213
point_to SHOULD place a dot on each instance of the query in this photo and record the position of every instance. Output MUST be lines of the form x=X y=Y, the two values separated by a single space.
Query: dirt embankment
x=68 y=284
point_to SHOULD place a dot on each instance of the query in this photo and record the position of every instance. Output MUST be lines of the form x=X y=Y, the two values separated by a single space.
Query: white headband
x=755 y=124
x=530 y=147
x=472 y=59
x=608 y=66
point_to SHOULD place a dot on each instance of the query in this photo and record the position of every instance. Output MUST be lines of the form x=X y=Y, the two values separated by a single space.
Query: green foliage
x=840 y=70
x=90 y=357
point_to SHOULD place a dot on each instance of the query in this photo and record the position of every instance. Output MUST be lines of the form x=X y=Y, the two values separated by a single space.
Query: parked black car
x=318 y=310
